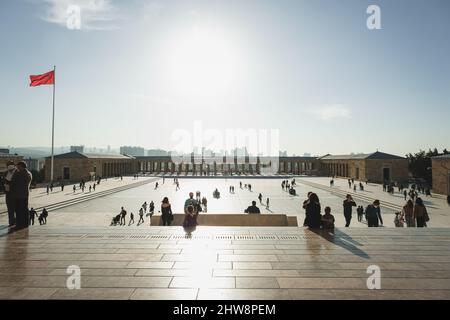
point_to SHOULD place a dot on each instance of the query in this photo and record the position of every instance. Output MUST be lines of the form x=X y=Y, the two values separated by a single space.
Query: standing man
x=373 y=214
x=348 y=204
x=191 y=202
x=123 y=213
x=20 y=189
x=8 y=195
x=33 y=214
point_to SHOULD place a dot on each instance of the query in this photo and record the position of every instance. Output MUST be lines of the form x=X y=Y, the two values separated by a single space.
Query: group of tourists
x=315 y=220
x=17 y=189
x=414 y=214
x=288 y=187
x=120 y=219
x=413 y=192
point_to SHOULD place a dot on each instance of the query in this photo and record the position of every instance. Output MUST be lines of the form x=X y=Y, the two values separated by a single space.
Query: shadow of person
x=189 y=231
x=341 y=239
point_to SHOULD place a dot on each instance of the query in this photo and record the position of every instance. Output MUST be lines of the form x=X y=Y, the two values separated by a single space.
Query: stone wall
x=398 y=170
x=79 y=169
x=441 y=176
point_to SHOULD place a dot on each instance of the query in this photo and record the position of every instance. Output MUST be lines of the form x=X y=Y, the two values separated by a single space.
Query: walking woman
x=408 y=213
x=420 y=213
x=166 y=212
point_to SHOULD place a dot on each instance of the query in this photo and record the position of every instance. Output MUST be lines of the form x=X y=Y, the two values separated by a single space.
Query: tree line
x=419 y=163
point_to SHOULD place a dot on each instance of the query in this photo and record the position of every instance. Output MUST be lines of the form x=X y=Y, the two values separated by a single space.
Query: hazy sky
x=140 y=70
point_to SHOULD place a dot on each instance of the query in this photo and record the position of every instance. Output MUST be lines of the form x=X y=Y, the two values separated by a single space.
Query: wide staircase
x=222 y=263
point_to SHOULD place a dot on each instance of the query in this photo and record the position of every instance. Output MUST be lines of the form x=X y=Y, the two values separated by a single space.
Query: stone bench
x=234 y=220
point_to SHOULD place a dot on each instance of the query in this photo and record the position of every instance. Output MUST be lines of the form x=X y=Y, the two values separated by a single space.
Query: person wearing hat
x=11 y=169
x=20 y=188
x=373 y=214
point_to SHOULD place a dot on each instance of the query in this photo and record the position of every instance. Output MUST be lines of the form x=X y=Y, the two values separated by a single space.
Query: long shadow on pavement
x=342 y=240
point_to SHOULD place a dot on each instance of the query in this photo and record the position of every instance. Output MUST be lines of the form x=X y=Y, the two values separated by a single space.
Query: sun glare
x=202 y=62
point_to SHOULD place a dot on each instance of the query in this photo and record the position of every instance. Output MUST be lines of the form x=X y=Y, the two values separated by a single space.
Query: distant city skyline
x=40 y=152
x=137 y=71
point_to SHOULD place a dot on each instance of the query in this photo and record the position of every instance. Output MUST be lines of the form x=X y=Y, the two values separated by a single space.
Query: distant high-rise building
x=157 y=152
x=79 y=149
x=132 y=151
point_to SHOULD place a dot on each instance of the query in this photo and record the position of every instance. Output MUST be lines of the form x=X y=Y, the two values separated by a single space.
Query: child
x=360 y=212
x=327 y=219
x=399 y=221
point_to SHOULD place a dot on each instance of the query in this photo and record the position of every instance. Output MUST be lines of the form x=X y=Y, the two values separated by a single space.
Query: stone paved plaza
x=99 y=211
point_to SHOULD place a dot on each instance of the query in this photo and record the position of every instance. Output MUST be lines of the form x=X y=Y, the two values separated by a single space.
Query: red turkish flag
x=42 y=79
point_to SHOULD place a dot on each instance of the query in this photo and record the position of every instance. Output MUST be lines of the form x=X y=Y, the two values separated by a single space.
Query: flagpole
x=53 y=123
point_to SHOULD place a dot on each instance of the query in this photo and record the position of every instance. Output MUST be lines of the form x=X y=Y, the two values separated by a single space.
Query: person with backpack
x=373 y=214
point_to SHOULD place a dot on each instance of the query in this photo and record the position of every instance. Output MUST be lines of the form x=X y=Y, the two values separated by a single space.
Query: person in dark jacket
x=33 y=214
x=313 y=216
x=20 y=189
x=420 y=213
x=348 y=204
x=253 y=208
x=166 y=212
x=44 y=216
x=373 y=214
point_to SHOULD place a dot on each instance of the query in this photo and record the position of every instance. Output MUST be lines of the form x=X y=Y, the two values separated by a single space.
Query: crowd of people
x=413 y=214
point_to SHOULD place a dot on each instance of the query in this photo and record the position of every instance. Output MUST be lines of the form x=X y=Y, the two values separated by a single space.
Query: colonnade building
x=226 y=165
x=374 y=167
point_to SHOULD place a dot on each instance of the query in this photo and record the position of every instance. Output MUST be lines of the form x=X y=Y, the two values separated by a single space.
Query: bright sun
x=202 y=63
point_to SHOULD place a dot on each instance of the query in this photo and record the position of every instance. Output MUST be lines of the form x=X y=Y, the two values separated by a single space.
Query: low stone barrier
x=234 y=220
